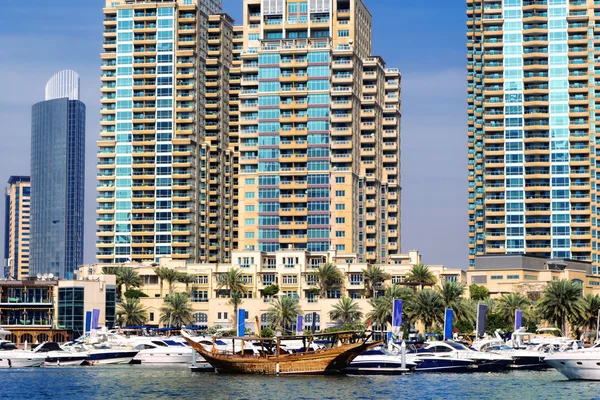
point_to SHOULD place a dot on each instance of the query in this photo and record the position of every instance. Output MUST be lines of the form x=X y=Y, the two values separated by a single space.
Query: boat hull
x=20 y=362
x=65 y=361
x=109 y=358
x=172 y=357
x=442 y=365
x=577 y=369
x=491 y=365
x=329 y=361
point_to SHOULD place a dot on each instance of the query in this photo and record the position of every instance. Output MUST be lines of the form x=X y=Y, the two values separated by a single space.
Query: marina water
x=151 y=382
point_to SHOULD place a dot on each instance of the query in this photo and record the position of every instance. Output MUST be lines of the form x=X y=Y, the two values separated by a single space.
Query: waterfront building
x=529 y=275
x=57 y=178
x=291 y=270
x=17 y=219
x=319 y=132
x=279 y=133
x=532 y=76
x=38 y=310
x=165 y=171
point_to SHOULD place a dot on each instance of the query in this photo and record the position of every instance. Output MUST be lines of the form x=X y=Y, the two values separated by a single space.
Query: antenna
x=39 y=276
x=45 y=276
x=50 y=275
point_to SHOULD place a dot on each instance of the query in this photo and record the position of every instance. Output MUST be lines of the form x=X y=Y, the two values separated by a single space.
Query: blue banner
x=95 y=318
x=481 y=319
x=88 y=321
x=299 y=324
x=241 y=322
x=448 y=324
x=397 y=318
x=518 y=319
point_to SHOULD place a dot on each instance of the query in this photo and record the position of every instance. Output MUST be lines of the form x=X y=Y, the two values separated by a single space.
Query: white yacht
x=484 y=362
x=524 y=356
x=379 y=361
x=578 y=364
x=162 y=351
x=11 y=357
x=57 y=356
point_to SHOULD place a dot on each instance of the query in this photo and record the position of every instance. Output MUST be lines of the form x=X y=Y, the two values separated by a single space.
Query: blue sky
x=426 y=40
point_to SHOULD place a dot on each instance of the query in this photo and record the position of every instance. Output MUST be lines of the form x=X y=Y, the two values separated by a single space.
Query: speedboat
x=578 y=364
x=56 y=355
x=484 y=362
x=524 y=357
x=11 y=357
x=379 y=361
x=158 y=351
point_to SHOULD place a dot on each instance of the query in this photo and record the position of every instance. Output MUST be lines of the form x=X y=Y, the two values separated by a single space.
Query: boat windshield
x=500 y=347
x=457 y=346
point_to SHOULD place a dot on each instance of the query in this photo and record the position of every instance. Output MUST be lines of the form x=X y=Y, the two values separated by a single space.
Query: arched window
x=58 y=338
x=201 y=320
x=42 y=337
x=26 y=337
x=308 y=321
x=580 y=283
x=264 y=321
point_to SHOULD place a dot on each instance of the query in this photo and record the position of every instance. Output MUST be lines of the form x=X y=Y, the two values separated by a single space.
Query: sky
x=426 y=40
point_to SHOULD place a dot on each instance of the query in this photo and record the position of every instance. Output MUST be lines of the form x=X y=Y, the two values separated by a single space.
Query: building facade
x=17 y=219
x=279 y=133
x=319 y=132
x=57 y=178
x=532 y=77
x=38 y=310
x=529 y=275
x=291 y=270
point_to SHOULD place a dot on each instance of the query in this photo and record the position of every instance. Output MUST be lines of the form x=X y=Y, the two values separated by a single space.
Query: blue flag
x=397 y=318
x=299 y=323
x=448 y=324
x=518 y=319
x=481 y=319
x=95 y=318
x=241 y=322
x=88 y=321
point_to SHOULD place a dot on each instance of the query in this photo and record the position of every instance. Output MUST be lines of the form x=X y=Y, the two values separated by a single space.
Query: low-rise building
x=293 y=271
x=55 y=310
x=529 y=275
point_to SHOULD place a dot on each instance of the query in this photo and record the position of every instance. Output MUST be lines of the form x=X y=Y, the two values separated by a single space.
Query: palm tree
x=373 y=276
x=160 y=272
x=427 y=306
x=346 y=311
x=328 y=275
x=233 y=281
x=128 y=277
x=187 y=279
x=110 y=270
x=561 y=302
x=283 y=312
x=422 y=275
x=399 y=292
x=509 y=303
x=235 y=301
x=176 y=311
x=452 y=297
x=132 y=313
x=171 y=276
x=382 y=307
x=591 y=307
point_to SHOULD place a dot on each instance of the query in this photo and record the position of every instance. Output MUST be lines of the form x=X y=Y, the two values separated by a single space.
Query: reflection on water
x=151 y=382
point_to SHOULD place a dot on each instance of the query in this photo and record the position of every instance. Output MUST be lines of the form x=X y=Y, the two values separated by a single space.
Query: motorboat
x=524 y=357
x=578 y=364
x=484 y=362
x=57 y=356
x=11 y=357
x=157 y=351
x=379 y=361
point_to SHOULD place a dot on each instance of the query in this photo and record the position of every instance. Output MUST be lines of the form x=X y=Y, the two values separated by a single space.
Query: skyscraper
x=156 y=151
x=17 y=227
x=319 y=131
x=279 y=133
x=57 y=178
x=532 y=74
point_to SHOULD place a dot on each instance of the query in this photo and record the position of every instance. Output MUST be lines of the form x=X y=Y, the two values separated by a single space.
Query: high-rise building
x=279 y=133
x=532 y=75
x=162 y=149
x=17 y=217
x=57 y=178
x=319 y=131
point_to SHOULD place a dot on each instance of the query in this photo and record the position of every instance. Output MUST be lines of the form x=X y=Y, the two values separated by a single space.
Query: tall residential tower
x=533 y=74
x=17 y=218
x=57 y=178
x=319 y=131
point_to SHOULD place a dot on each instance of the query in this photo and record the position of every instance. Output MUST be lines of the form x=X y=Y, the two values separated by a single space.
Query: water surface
x=162 y=382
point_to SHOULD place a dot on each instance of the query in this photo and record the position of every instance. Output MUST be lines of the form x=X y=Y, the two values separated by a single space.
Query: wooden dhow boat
x=272 y=360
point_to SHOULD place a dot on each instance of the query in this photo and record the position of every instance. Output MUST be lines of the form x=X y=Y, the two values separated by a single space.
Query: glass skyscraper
x=57 y=178
x=533 y=71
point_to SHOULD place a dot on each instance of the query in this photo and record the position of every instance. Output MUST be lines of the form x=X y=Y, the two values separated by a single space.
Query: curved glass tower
x=57 y=178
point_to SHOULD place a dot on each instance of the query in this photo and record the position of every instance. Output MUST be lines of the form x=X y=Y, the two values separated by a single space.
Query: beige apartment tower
x=279 y=133
x=17 y=219
x=532 y=78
